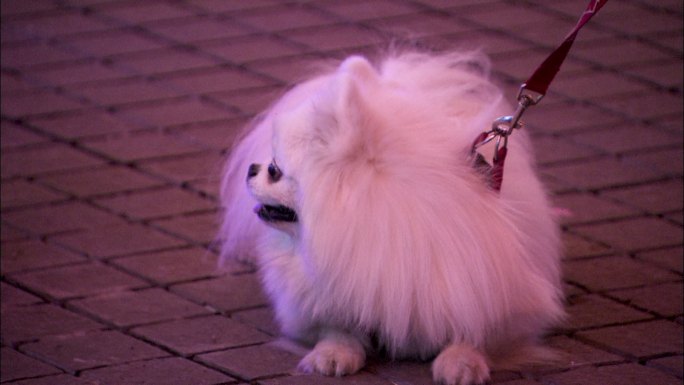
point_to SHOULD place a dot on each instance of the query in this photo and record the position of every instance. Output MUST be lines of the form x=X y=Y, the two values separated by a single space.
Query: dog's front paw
x=334 y=355
x=460 y=365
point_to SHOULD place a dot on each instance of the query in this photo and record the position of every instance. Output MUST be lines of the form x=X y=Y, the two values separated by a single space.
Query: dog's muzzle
x=280 y=213
x=271 y=213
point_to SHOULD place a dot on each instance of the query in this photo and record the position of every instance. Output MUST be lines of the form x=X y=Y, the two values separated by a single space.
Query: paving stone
x=284 y=17
x=165 y=61
x=61 y=218
x=137 y=147
x=31 y=254
x=596 y=85
x=288 y=69
x=664 y=299
x=634 y=234
x=672 y=365
x=8 y=233
x=197 y=29
x=654 y=198
x=644 y=20
x=249 y=101
x=93 y=349
x=200 y=228
x=335 y=37
x=99 y=181
x=593 y=311
x=33 y=322
x=360 y=378
x=118 y=240
x=590 y=208
x=88 y=72
x=62 y=379
x=411 y=372
x=601 y=173
x=570 y=117
x=129 y=308
x=197 y=335
x=168 y=371
x=253 y=361
x=262 y=319
x=134 y=13
x=60 y=23
x=661 y=73
x=38 y=103
x=84 y=123
x=78 y=280
x=156 y=203
x=126 y=92
x=185 y=169
x=12 y=296
x=668 y=162
x=575 y=353
x=646 y=106
x=19 y=193
x=248 y=49
x=421 y=25
x=614 y=273
x=215 y=80
x=13 y=135
x=228 y=293
x=671 y=258
x=626 y=374
x=14 y=365
x=35 y=53
x=103 y=44
x=177 y=112
x=578 y=247
x=640 y=339
x=549 y=150
x=625 y=138
x=172 y=266
x=44 y=159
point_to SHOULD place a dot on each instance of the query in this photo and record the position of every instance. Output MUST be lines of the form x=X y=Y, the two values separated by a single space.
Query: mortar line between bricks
x=75 y=144
x=106 y=324
x=605 y=293
x=512 y=80
x=179 y=44
x=501 y=75
x=640 y=214
x=592 y=64
x=628 y=356
x=602 y=27
x=654 y=7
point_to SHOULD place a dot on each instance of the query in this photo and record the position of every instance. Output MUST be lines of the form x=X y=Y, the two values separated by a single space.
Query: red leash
x=531 y=92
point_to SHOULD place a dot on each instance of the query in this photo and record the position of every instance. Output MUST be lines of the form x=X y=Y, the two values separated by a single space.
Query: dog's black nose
x=253 y=170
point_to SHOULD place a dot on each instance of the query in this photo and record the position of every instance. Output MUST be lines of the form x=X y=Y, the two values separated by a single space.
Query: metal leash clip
x=503 y=127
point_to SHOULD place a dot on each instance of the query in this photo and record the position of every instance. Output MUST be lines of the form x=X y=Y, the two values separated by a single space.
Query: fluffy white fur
x=398 y=236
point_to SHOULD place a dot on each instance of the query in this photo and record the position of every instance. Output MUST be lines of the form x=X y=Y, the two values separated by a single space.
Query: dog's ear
x=343 y=110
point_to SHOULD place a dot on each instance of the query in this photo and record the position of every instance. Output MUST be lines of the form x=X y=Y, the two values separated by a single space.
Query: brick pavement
x=115 y=115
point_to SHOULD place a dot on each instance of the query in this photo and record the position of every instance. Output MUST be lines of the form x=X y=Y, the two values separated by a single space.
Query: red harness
x=531 y=92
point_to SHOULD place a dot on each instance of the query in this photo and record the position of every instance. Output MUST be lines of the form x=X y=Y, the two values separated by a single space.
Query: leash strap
x=531 y=92
x=543 y=76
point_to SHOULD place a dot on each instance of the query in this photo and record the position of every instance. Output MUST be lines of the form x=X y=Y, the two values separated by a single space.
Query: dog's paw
x=460 y=365
x=336 y=355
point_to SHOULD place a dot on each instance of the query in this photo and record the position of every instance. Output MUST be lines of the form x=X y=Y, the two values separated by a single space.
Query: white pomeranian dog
x=373 y=228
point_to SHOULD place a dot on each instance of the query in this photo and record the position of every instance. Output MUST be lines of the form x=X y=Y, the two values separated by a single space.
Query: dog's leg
x=460 y=364
x=336 y=354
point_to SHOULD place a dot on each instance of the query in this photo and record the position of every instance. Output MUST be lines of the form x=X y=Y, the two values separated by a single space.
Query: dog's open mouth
x=278 y=213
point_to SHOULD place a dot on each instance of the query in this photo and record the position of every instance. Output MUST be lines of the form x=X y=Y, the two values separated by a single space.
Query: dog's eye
x=274 y=171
